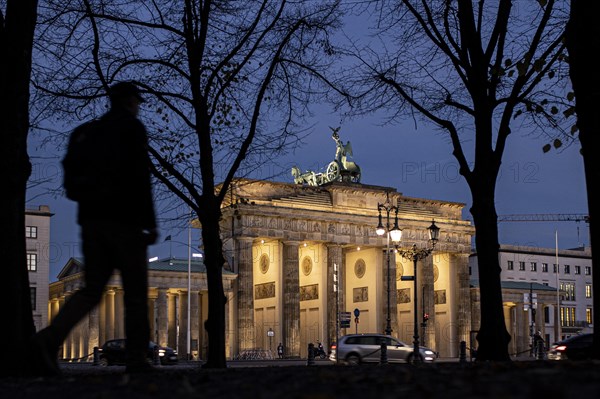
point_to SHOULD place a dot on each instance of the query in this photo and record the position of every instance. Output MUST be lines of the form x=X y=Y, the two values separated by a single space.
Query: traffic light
x=425 y=317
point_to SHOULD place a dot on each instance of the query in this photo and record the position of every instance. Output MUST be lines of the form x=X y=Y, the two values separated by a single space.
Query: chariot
x=340 y=169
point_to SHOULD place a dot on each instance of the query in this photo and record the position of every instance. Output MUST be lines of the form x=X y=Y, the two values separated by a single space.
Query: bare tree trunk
x=214 y=261
x=16 y=38
x=492 y=337
x=583 y=31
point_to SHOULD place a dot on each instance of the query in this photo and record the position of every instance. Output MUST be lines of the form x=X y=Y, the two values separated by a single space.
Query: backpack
x=80 y=163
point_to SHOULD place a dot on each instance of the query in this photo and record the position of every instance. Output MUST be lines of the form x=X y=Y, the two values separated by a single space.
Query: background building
x=167 y=307
x=37 y=241
x=535 y=283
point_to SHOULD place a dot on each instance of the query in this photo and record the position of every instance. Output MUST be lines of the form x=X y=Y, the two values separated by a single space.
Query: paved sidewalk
x=539 y=379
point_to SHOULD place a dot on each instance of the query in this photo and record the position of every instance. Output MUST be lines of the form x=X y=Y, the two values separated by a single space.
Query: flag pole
x=558 y=318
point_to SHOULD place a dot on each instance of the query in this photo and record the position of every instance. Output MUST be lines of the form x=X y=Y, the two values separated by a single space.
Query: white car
x=366 y=348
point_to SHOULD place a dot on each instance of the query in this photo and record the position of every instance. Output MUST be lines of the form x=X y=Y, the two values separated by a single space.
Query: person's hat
x=123 y=90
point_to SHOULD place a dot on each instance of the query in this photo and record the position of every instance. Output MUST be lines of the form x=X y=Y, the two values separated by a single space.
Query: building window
x=588 y=290
x=587 y=270
x=544 y=268
x=546 y=315
x=32 y=262
x=32 y=293
x=521 y=266
x=30 y=231
x=567 y=317
x=588 y=315
x=533 y=266
x=569 y=290
x=510 y=265
x=567 y=269
x=577 y=269
x=555 y=268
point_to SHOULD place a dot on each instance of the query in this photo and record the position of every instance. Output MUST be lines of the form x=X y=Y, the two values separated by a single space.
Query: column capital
x=246 y=239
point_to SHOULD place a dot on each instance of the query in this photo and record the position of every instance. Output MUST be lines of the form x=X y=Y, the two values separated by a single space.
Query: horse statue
x=309 y=177
x=340 y=169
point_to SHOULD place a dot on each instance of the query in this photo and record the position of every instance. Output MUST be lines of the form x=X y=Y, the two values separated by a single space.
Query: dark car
x=577 y=347
x=366 y=348
x=113 y=353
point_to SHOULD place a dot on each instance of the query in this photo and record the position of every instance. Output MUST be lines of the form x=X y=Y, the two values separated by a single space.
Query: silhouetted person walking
x=110 y=180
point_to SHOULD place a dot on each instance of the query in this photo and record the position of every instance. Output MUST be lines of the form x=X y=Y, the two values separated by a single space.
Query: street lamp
x=415 y=254
x=189 y=284
x=395 y=234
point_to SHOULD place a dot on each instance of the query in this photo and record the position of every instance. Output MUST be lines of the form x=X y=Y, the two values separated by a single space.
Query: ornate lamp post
x=395 y=234
x=415 y=254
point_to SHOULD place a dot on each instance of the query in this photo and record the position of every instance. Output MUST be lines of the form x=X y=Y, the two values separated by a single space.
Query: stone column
x=110 y=314
x=393 y=292
x=94 y=329
x=83 y=338
x=120 y=313
x=521 y=336
x=55 y=305
x=459 y=264
x=72 y=343
x=334 y=256
x=162 y=317
x=245 y=293
x=509 y=310
x=291 y=299
x=229 y=332
x=475 y=307
x=152 y=318
x=172 y=320
x=427 y=302
x=195 y=323
x=66 y=345
x=183 y=322
x=203 y=336
x=102 y=319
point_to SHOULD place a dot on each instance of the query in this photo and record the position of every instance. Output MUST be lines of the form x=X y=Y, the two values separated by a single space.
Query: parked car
x=366 y=348
x=577 y=347
x=113 y=353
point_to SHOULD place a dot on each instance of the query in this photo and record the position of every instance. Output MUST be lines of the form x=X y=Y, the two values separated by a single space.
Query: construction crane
x=545 y=217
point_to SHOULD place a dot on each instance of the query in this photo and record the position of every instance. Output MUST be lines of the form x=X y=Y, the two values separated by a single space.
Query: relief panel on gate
x=439 y=297
x=404 y=295
x=360 y=294
x=309 y=292
x=265 y=290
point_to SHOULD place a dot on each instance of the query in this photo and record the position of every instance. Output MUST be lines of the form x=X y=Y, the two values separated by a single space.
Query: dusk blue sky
x=415 y=160
x=411 y=157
